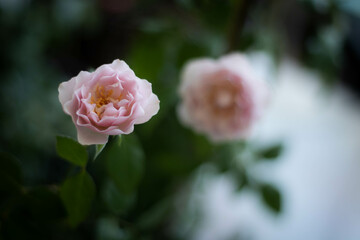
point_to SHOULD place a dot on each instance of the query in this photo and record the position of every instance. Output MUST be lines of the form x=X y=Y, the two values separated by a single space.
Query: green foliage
x=116 y=201
x=155 y=215
x=77 y=193
x=10 y=173
x=271 y=197
x=11 y=180
x=45 y=204
x=271 y=152
x=108 y=229
x=125 y=163
x=241 y=178
x=35 y=214
x=223 y=157
x=71 y=150
x=98 y=149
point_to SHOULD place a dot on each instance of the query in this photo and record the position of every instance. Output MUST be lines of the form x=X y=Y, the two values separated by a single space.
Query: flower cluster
x=219 y=98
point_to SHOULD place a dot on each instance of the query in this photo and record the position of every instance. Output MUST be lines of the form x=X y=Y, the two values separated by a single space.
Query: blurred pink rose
x=221 y=98
x=108 y=101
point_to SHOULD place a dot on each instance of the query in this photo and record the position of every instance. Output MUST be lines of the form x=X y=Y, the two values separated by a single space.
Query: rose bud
x=108 y=101
x=221 y=98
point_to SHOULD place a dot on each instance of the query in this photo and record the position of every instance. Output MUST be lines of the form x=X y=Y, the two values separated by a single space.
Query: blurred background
x=308 y=50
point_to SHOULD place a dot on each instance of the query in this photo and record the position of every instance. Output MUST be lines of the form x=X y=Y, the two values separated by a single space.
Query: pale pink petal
x=108 y=80
x=120 y=66
x=66 y=92
x=127 y=127
x=239 y=64
x=150 y=109
x=66 y=89
x=87 y=137
x=194 y=70
x=144 y=88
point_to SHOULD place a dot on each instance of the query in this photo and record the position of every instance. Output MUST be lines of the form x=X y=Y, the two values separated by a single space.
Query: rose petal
x=66 y=89
x=194 y=70
x=150 y=109
x=87 y=136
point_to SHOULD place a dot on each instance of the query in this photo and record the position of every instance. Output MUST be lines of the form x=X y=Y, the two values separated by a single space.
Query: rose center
x=223 y=99
x=102 y=97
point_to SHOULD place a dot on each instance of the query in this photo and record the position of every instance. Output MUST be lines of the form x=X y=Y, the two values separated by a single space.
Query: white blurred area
x=318 y=173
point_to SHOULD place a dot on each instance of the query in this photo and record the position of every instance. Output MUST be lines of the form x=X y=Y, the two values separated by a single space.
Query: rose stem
x=237 y=22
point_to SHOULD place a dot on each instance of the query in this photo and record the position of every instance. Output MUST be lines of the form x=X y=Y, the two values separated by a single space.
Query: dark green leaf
x=124 y=163
x=271 y=152
x=77 y=193
x=223 y=157
x=154 y=215
x=241 y=179
x=10 y=173
x=98 y=149
x=271 y=197
x=116 y=201
x=108 y=229
x=71 y=150
x=45 y=204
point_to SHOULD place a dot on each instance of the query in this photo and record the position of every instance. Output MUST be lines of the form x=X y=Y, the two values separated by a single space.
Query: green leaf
x=223 y=157
x=271 y=152
x=71 y=150
x=45 y=204
x=271 y=197
x=155 y=215
x=11 y=180
x=10 y=173
x=116 y=201
x=124 y=163
x=108 y=229
x=98 y=149
x=241 y=178
x=77 y=193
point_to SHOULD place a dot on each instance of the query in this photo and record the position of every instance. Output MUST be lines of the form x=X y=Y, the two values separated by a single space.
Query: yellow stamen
x=101 y=97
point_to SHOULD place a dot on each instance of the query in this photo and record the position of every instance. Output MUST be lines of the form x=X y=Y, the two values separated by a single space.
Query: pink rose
x=108 y=101
x=221 y=98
